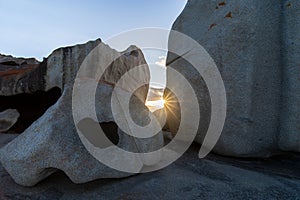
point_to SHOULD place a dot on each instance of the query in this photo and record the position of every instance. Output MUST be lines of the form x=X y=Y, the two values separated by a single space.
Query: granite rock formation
x=256 y=47
x=52 y=143
x=19 y=75
x=214 y=177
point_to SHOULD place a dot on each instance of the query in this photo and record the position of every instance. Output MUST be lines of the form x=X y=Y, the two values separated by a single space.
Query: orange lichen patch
x=229 y=15
x=23 y=70
x=222 y=3
x=212 y=25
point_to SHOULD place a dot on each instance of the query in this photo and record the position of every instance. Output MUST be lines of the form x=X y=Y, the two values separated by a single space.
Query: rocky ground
x=214 y=177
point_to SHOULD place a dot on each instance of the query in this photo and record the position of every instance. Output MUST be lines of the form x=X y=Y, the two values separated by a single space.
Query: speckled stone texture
x=52 y=143
x=290 y=114
x=214 y=177
x=255 y=46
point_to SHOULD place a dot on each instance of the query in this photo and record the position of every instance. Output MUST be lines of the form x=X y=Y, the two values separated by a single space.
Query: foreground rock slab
x=52 y=143
x=214 y=177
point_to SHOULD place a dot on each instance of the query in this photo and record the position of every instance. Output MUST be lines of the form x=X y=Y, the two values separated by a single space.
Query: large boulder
x=255 y=49
x=52 y=142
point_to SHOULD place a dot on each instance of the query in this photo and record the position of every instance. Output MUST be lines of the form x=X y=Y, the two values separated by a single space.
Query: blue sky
x=34 y=28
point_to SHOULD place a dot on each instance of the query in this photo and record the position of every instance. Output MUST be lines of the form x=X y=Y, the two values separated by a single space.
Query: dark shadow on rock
x=92 y=131
x=30 y=106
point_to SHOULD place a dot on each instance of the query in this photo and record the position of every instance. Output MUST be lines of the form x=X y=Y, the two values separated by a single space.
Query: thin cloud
x=161 y=61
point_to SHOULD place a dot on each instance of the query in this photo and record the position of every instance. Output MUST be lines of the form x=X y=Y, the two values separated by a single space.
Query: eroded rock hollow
x=52 y=142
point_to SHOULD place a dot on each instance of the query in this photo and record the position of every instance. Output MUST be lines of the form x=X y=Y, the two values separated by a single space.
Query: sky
x=34 y=28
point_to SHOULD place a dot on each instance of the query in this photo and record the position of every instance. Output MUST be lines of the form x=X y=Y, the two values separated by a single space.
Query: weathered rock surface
x=19 y=75
x=214 y=177
x=289 y=137
x=256 y=49
x=7 y=119
x=31 y=106
x=52 y=143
